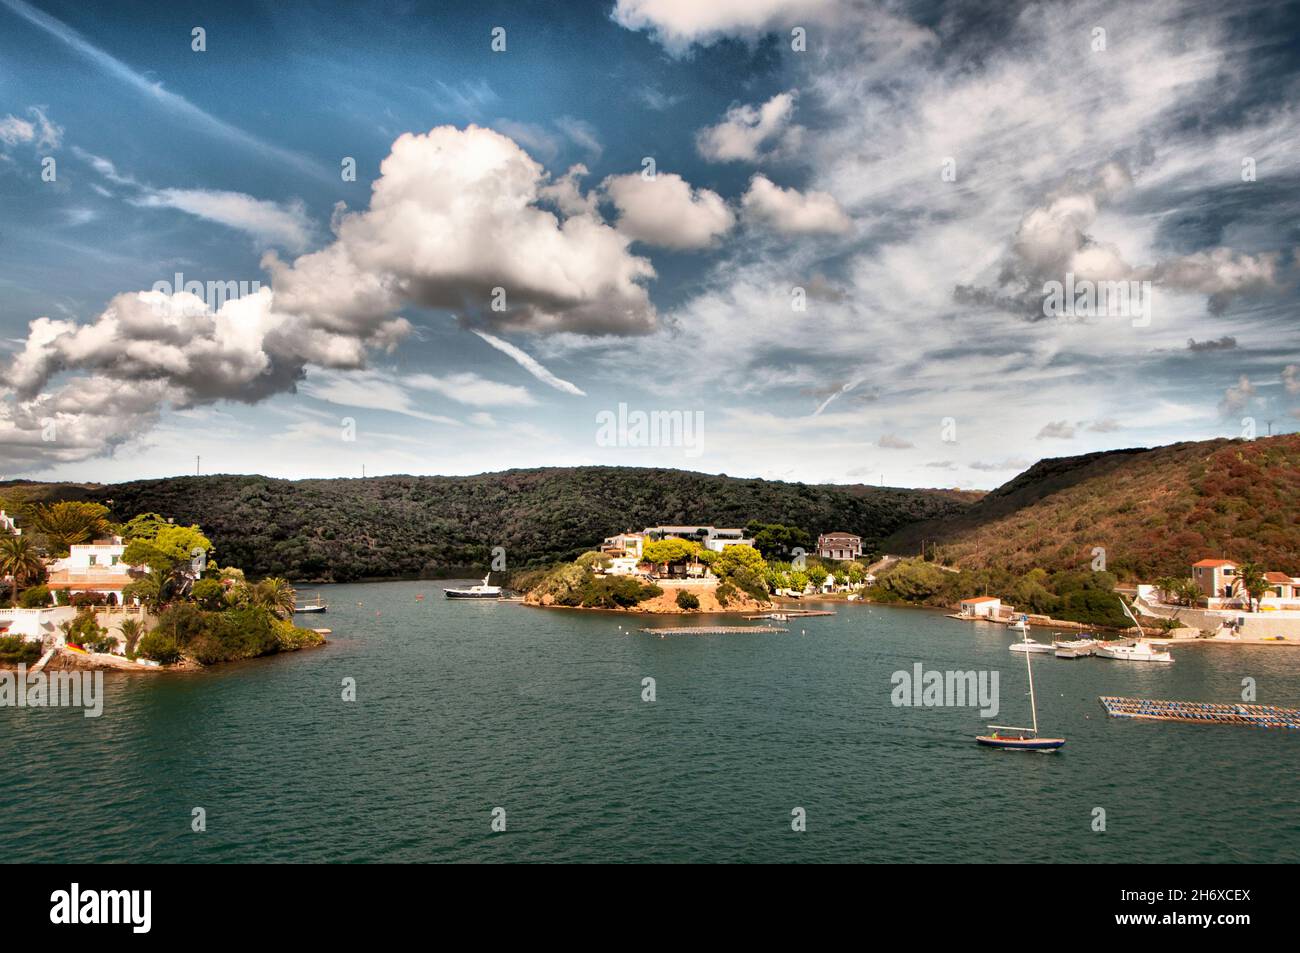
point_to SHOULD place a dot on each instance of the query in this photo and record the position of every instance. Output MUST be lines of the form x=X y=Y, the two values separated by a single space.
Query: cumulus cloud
x=1056 y=238
x=1291 y=378
x=1225 y=343
x=666 y=211
x=454 y=215
x=748 y=133
x=792 y=212
x=894 y=442
x=1237 y=396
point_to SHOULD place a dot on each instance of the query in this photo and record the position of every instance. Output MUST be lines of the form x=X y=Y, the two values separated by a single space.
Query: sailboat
x=1025 y=739
x=317 y=606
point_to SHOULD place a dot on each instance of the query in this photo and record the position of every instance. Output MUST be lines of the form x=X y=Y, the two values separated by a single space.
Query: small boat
x=1020 y=625
x=1021 y=739
x=1138 y=651
x=317 y=606
x=1075 y=648
x=481 y=591
x=1029 y=645
x=779 y=617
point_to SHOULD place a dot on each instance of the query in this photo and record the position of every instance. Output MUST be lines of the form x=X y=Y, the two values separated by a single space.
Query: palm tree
x=70 y=522
x=1251 y=578
x=276 y=594
x=19 y=560
x=132 y=630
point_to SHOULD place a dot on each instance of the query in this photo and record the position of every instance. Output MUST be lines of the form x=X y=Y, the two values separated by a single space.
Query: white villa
x=7 y=525
x=96 y=567
x=710 y=537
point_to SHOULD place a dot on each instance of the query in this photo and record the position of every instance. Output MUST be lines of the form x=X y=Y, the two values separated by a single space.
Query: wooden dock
x=712 y=629
x=1202 y=713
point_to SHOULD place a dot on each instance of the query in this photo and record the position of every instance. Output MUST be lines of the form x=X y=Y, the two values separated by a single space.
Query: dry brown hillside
x=1155 y=511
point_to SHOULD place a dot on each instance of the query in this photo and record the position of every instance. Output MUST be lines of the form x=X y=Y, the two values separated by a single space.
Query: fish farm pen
x=1202 y=713
x=713 y=629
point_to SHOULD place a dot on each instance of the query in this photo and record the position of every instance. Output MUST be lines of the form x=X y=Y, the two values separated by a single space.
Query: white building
x=7 y=525
x=710 y=537
x=982 y=607
x=96 y=567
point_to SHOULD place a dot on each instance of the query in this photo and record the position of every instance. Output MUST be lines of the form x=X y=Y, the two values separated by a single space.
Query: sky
x=814 y=240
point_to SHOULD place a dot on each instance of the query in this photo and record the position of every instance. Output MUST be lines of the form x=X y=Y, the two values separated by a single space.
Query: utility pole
x=196 y=465
x=363 y=471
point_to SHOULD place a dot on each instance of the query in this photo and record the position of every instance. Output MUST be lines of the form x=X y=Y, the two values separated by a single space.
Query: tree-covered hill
x=344 y=529
x=1153 y=511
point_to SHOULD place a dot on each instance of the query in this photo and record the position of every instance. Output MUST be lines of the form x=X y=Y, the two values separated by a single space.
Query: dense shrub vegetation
x=1070 y=595
x=344 y=529
x=1154 y=512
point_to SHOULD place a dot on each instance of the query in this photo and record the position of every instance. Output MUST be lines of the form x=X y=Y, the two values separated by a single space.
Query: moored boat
x=480 y=591
x=1029 y=645
x=318 y=605
x=1075 y=648
x=1138 y=651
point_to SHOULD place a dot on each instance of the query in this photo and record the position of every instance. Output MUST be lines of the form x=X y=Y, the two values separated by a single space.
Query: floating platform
x=713 y=629
x=1202 y=713
x=790 y=613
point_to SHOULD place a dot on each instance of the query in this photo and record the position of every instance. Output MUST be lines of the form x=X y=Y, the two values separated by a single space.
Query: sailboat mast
x=1033 y=705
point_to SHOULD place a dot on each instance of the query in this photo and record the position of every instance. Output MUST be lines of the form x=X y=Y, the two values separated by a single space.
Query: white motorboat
x=1075 y=648
x=1030 y=645
x=481 y=591
x=1138 y=651
x=1020 y=625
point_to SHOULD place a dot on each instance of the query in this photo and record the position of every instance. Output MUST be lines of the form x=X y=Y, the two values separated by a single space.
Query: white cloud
x=273 y=224
x=40 y=131
x=748 y=133
x=666 y=211
x=467 y=387
x=791 y=212
x=677 y=25
x=1237 y=397
x=454 y=215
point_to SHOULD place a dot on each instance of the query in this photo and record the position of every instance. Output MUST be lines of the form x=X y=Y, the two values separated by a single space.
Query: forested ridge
x=347 y=529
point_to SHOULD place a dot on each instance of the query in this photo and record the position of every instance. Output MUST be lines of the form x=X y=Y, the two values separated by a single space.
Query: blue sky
x=915 y=174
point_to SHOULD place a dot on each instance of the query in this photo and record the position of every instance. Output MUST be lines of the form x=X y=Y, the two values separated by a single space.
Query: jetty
x=712 y=629
x=1202 y=713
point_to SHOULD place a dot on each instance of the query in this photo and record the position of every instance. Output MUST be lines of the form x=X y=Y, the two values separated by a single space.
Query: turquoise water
x=463 y=707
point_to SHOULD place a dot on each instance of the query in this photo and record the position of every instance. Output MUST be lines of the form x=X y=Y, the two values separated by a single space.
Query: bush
x=687 y=600
x=15 y=649
x=86 y=632
x=159 y=646
x=209 y=594
x=89 y=599
x=37 y=597
x=725 y=593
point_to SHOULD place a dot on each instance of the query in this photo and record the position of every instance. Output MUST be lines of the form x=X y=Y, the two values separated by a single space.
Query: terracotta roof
x=1214 y=563
x=982 y=599
x=1277 y=577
